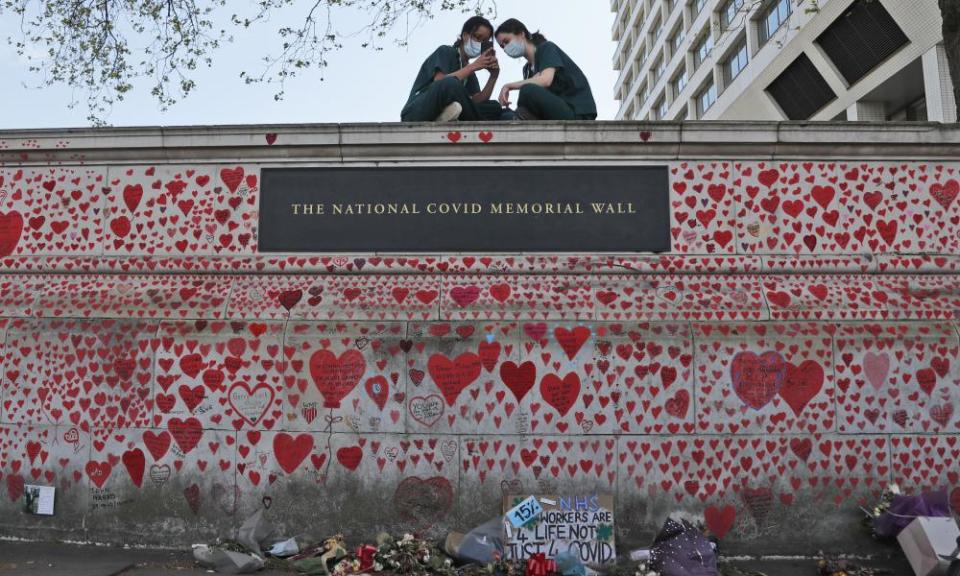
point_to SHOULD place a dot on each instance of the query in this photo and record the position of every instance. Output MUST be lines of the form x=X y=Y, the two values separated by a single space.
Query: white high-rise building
x=781 y=60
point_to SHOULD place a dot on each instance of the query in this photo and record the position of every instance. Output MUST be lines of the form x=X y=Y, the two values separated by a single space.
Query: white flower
x=377 y=567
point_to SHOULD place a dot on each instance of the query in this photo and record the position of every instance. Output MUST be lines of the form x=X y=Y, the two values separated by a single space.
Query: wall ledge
x=547 y=141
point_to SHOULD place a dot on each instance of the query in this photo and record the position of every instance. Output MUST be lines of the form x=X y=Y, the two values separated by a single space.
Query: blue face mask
x=515 y=48
x=471 y=48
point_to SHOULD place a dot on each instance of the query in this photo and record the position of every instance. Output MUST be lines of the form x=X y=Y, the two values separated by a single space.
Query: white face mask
x=515 y=48
x=472 y=48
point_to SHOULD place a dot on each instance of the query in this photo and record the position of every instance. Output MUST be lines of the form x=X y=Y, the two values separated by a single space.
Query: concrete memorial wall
x=795 y=352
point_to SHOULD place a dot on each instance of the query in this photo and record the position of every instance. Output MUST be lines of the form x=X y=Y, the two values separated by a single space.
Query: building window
x=657 y=28
x=917 y=111
x=702 y=50
x=658 y=67
x=655 y=110
x=683 y=115
x=772 y=18
x=679 y=82
x=736 y=62
x=800 y=90
x=642 y=94
x=662 y=107
x=728 y=13
x=676 y=40
x=696 y=7
x=861 y=38
x=706 y=98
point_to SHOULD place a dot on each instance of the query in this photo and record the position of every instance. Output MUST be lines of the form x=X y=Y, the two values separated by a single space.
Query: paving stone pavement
x=56 y=559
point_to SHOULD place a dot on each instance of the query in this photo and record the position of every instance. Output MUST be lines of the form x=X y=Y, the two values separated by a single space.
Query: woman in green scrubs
x=554 y=87
x=447 y=88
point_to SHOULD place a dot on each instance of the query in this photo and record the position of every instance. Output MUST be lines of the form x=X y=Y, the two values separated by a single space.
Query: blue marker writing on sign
x=524 y=512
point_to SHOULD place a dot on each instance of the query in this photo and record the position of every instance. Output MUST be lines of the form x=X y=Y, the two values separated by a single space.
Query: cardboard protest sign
x=582 y=524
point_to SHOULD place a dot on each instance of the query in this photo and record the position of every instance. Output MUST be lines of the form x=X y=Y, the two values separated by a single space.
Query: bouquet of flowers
x=880 y=508
x=644 y=569
x=412 y=556
x=843 y=567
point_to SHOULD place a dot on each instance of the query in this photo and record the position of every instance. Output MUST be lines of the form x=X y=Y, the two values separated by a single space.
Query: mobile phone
x=487 y=45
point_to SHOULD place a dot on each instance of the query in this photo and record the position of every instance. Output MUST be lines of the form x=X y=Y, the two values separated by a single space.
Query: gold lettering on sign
x=613 y=208
x=461 y=208
x=308 y=209
x=536 y=208
x=375 y=209
x=456 y=208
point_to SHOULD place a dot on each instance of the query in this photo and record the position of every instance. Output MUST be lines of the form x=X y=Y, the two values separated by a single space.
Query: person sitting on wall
x=447 y=89
x=554 y=87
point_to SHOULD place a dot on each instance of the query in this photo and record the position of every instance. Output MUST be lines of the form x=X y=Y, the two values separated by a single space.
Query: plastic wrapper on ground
x=904 y=509
x=226 y=561
x=255 y=533
x=480 y=545
x=680 y=549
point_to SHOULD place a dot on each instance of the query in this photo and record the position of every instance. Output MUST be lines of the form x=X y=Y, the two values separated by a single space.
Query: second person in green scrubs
x=554 y=87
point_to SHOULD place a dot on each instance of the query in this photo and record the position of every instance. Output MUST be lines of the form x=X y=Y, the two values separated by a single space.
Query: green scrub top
x=446 y=59
x=569 y=82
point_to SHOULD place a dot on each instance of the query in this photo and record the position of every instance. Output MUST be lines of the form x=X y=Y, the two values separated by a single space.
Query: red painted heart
x=561 y=394
x=719 y=520
x=186 y=433
x=945 y=193
x=336 y=377
x=11 y=226
x=291 y=451
x=800 y=384
x=251 y=403
x=378 y=389
x=756 y=380
x=571 y=340
x=452 y=376
x=350 y=457
x=519 y=379
x=134 y=461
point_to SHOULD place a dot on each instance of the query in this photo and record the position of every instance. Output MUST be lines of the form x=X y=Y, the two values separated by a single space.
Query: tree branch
x=103 y=48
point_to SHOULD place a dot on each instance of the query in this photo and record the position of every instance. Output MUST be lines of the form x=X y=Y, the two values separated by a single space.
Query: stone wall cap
x=558 y=140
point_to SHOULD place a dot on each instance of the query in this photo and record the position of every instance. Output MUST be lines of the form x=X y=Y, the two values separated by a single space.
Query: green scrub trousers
x=440 y=94
x=546 y=105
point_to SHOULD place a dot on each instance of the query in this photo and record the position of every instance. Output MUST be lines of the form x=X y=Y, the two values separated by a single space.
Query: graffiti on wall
x=233 y=379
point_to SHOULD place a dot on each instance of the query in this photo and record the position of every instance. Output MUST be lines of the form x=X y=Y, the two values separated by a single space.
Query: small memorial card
x=580 y=524
x=39 y=499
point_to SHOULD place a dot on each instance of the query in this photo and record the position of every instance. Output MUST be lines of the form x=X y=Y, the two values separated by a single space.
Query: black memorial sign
x=465 y=209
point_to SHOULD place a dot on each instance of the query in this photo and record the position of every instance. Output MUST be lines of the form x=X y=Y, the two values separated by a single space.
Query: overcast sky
x=360 y=85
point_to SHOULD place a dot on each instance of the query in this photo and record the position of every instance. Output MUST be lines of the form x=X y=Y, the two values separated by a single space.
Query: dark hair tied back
x=471 y=25
x=514 y=26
